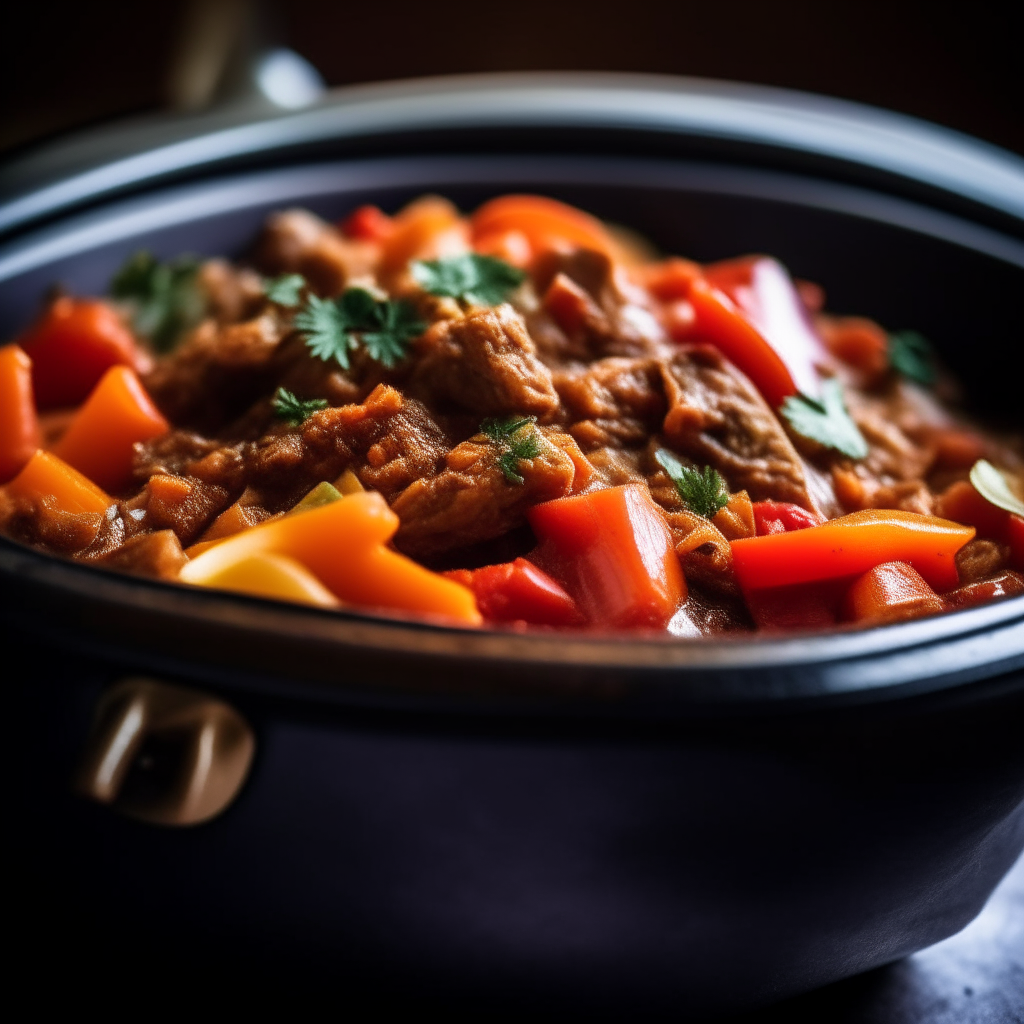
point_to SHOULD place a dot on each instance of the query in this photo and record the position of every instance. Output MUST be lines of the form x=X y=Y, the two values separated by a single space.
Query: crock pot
x=588 y=822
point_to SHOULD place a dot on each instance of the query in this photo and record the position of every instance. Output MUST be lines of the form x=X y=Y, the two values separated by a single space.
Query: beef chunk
x=716 y=417
x=470 y=500
x=232 y=293
x=613 y=403
x=151 y=554
x=296 y=241
x=484 y=363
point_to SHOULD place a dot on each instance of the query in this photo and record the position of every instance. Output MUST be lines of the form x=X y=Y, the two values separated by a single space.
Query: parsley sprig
x=911 y=354
x=285 y=290
x=515 y=438
x=703 y=490
x=294 y=410
x=826 y=421
x=469 y=277
x=165 y=297
x=335 y=327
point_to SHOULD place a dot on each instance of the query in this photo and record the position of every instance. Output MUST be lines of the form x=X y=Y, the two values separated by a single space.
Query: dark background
x=71 y=65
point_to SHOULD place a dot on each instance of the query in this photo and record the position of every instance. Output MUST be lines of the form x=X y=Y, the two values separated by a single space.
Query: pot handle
x=165 y=754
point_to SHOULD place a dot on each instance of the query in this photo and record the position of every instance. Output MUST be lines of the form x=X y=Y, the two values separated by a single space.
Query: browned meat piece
x=233 y=293
x=186 y=505
x=470 y=500
x=978 y=559
x=217 y=373
x=716 y=417
x=296 y=241
x=612 y=403
x=484 y=363
x=171 y=453
x=151 y=554
x=599 y=313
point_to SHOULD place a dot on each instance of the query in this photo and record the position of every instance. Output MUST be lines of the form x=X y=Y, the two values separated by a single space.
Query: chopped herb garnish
x=470 y=277
x=911 y=354
x=285 y=290
x=165 y=297
x=515 y=438
x=992 y=486
x=335 y=327
x=826 y=421
x=294 y=410
x=703 y=491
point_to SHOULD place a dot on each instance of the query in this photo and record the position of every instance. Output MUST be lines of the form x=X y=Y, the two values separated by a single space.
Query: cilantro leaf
x=479 y=280
x=516 y=438
x=703 y=491
x=335 y=327
x=826 y=421
x=285 y=290
x=294 y=410
x=165 y=297
x=911 y=354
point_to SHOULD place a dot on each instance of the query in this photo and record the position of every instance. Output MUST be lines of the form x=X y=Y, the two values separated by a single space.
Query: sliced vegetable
x=719 y=322
x=73 y=345
x=368 y=224
x=19 y=425
x=1005 y=584
x=274 y=576
x=519 y=592
x=470 y=277
x=911 y=354
x=613 y=553
x=702 y=491
x=101 y=438
x=285 y=290
x=889 y=593
x=992 y=486
x=323 y=494
x=545 y=223
x=343 y=545
x=1015 y=538
x=782 y=517
x=426 y=229
x=801 y=606
x=850 y=545
x=765 y=293
x=826 y=421
x=233 y=520
x=47 y=476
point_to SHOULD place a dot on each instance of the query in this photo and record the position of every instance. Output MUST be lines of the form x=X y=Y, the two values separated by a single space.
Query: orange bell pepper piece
x=426 y=229
x=545 y=223
x=889 y=593
x=19 y=425
x=74 y=343
x=45 y=475
x=100 y=440
x=343 y=544
x=852 y=545
x=274 y=576
x=612 y=552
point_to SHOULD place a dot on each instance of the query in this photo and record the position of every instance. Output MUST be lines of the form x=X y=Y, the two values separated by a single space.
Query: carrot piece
x=74 y=343
x=857 y=341
x=613 y=554
x=671 y=279
x=888 y=593
x=545 y=223
x=102 y=435
x=45 y=475
x=853 y=544
x=19 y=426
x=232 y=520
x=426 y=229
x=343 y=544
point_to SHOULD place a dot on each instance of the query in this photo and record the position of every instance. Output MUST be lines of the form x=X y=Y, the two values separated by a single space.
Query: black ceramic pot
x=583 y=822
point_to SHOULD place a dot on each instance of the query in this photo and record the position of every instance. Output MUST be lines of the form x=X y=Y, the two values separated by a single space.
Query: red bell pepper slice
x=851 y=545
x=612 y=551
x=73 y=345
x=1005 y=584
x=782 y=517
x=368 y=224
x=1015 y=534
x=519 y=592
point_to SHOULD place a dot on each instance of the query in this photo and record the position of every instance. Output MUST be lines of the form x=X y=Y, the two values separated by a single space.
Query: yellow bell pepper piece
x=277 y=576
x=343 y=544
